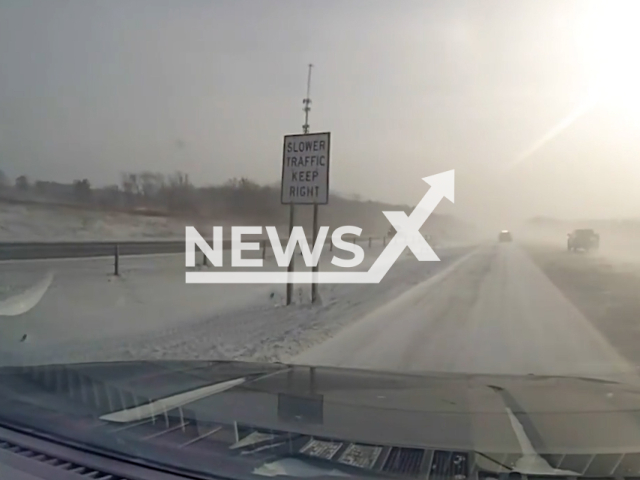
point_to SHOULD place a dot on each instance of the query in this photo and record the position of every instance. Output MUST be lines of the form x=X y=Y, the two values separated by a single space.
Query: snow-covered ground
x=148 y=312
x=36 y=223
x=43 y=222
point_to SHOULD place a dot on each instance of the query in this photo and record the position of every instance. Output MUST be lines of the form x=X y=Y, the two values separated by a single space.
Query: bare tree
x=82 y=190
x=130 y=186
x=178 y=193
x=151 y=184
x=22 y=182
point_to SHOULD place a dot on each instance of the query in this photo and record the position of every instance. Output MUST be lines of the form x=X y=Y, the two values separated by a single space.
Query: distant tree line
x=157 y=191
x=174 y=194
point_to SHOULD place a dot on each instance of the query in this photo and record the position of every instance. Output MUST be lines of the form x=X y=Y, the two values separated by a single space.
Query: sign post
x=294 y=193
x=305 y=181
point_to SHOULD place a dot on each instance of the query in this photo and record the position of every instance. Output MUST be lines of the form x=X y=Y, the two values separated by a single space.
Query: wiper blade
x=25 y=301
x=149 y=410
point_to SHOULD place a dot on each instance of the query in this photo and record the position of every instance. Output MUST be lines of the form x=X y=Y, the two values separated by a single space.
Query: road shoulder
x=607 y=292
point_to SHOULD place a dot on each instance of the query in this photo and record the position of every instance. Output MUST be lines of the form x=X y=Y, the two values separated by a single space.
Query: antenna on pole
x=305 y=128
x=307 y=102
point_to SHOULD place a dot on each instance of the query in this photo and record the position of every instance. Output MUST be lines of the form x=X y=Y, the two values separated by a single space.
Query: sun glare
x=610 y=39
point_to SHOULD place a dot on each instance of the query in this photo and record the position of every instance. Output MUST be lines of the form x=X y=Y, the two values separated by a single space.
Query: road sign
x=305 y=169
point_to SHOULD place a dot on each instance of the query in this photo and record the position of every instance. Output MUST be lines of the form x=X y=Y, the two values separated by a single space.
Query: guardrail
x=47 y=250
x=117 y=249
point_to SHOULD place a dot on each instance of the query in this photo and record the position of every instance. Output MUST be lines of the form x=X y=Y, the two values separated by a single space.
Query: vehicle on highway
x=505 y=236
x=583 y=239
x=240 y=420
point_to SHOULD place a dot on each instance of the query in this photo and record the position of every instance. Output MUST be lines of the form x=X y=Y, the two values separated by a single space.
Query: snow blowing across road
x=482 y=309
x=492 y=312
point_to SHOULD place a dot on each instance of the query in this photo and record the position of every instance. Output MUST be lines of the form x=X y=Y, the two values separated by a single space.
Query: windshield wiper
x=168 y=403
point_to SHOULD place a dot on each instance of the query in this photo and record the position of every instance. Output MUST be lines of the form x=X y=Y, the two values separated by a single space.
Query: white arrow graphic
x=442 y=185
x=408 y=235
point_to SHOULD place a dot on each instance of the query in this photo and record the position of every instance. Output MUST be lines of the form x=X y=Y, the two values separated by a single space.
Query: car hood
x=569 y=424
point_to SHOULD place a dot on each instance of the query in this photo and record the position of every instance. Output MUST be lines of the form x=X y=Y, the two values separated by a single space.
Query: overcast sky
x=407 y=88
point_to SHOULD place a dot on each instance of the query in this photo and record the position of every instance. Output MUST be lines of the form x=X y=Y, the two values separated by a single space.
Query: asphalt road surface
x=493 y=311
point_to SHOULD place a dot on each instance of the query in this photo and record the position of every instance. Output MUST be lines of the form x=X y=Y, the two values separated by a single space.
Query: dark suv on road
x=505 y=236
x=583 y=239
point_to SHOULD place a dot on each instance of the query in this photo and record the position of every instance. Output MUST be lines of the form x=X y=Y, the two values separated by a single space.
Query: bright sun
x=610 y=39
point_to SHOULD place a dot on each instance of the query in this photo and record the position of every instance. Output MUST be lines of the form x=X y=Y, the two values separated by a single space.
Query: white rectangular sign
x=305 y=169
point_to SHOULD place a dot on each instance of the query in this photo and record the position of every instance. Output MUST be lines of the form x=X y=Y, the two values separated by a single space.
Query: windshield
x=433 y=204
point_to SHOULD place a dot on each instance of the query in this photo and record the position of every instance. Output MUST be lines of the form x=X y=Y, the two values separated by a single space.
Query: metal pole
x=290 y=268
x=116 y=261
x=314 y=234
x=314 y=269
x=305 y=129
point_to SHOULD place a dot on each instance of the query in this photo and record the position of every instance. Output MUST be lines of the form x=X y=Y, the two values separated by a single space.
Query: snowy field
x=148 y=312
x=35 y=223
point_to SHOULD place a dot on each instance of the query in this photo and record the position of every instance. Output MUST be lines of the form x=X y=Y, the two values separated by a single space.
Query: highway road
x=492 y=311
